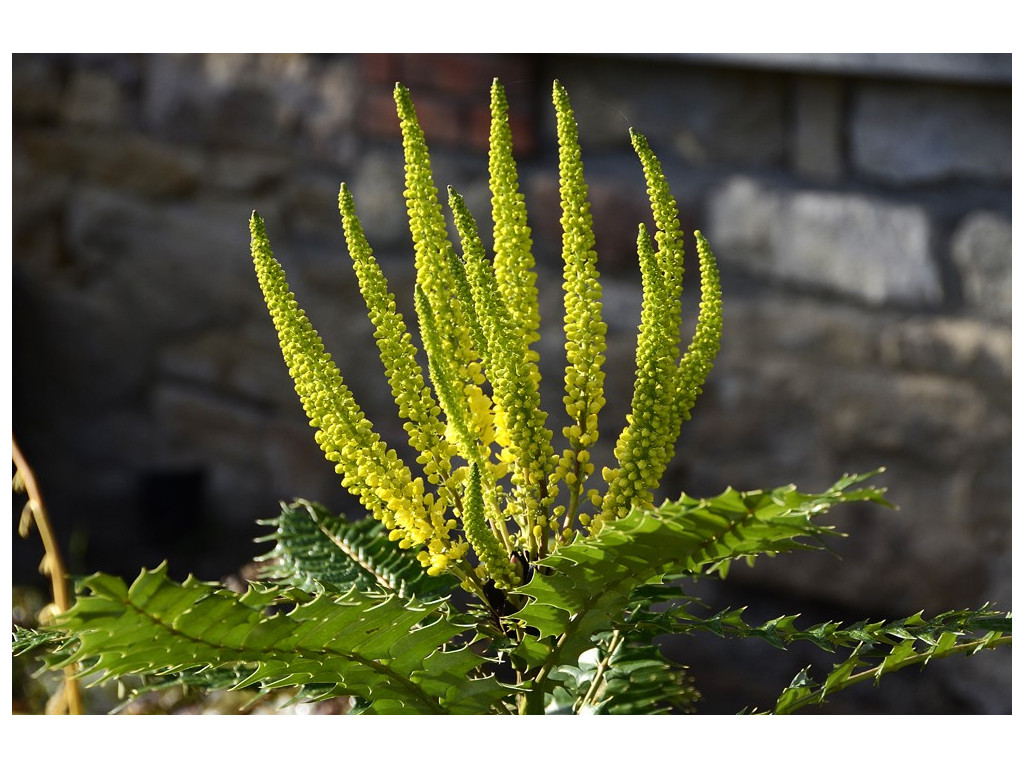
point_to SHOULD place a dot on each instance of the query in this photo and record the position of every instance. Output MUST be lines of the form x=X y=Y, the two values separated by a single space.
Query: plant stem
x=602 y=667
x=574 y=496
x=468 y=576
x=818 y=696
x=53 y=566
x=532 y=702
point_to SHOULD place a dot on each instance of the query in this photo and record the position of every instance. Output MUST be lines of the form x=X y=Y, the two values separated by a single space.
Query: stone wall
x=860 y=209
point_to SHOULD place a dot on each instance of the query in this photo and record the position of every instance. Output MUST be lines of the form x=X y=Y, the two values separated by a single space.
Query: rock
x=982 y=253
x=848 y=244
x=920 y=134
x=817 y=143
x=705 y=117
x=168 y=269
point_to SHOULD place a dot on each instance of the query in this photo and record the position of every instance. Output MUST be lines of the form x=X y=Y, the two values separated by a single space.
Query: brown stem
x=54 y=568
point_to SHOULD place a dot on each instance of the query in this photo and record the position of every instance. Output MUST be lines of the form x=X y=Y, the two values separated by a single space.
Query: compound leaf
x=586 y=586
x=384 y=649
x=314 y=548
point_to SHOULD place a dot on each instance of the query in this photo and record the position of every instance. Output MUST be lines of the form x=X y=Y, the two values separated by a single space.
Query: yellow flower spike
x=513 y=255
x=480 y=280
x=647 y=443
x=478 y=318
x=667 y=230
x=426 y=221
x=654 y=388
x=700 y=355
x=369 y=469
x=460 y=281
x=430 y=239
x=466 y=427
x=481 y=538
x=445 y=377
x=519 y=420
x=415 y=402
x=584 y=328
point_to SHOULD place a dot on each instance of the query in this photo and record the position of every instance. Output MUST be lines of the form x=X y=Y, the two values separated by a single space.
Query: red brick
x=456 y=74
x=512 y=69
x=524 y=132
x=441 y=120
x=381 y=68
x=478 y=127
x=417 y=70
x=478 y=130
x=377 y=116
x=451 y=92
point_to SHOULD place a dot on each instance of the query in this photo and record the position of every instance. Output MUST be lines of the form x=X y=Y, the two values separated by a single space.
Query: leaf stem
x=602 y=667
x=575 y=496
x=818 y=695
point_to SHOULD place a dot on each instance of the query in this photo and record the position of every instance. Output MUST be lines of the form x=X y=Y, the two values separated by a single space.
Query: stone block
x=916 y=134
x=78 y=349
x=915 y=415
x=94 y=99
x=707 y=117
x=957 y=348
x=37 y=205
x=131 y=161
x=244 y=364
x=378 y=189
x=804 y=391
x=817 y=142
x=849 y=244
x=36 y=88
x=245 y=171
x=256 y=101
x=982 y=254
x=167 y=269
x=333 y=102
x=197 y=428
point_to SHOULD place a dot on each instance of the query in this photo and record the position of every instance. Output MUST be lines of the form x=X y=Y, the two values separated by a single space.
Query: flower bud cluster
x=416 y=404
x=513 y=249
x=700 y=355
x=369 y=469
x=483 y=448
x=585 y=331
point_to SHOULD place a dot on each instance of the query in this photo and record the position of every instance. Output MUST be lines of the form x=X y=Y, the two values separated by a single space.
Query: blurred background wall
x=859 y=206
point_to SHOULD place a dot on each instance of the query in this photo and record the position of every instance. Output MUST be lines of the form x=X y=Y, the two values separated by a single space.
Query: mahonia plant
x=488 y=501
x=500 y=574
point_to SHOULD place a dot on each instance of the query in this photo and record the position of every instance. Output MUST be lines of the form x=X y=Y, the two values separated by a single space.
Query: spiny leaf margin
x=950 y=633
x=315 y=549
x=384 y=649
x=585 y=587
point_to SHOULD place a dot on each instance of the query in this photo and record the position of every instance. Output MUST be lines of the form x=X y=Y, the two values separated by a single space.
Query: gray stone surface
x=945 y=67
x=982 y=254
x=847 y=244
x=817 y=143
x=801 y=393
x=168 y=268
x=914 y=135
x=705 y=116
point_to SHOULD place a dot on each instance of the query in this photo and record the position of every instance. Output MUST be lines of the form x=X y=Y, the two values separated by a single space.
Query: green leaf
x=25 y=640
x=314 y=549
x=585 y=587
x=624 y=674
x=381 y=648
x=898 y=644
